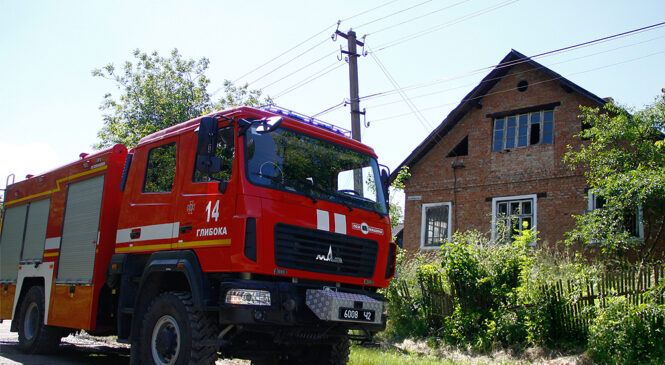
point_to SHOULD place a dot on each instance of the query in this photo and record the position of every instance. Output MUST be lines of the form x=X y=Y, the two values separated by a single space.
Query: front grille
x=298 y=248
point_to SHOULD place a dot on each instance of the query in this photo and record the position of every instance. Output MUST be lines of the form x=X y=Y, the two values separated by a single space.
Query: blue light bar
x=308 y=120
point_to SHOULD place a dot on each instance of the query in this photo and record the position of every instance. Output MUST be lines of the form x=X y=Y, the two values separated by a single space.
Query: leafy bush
x=487 y=279
x=625 y=333
x=405 y=309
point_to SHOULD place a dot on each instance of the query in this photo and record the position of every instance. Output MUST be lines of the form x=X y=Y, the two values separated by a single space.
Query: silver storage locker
x=80 y=231
x=10 y=242
x=35 y=232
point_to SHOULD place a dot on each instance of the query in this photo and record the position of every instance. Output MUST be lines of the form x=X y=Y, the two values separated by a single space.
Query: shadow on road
x=66 y=354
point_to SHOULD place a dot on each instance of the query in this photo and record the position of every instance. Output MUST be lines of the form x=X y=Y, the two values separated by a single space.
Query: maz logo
x=329 y=257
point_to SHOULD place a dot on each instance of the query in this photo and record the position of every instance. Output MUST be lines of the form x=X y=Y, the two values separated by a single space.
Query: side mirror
x=385 y=183
x=206 y=161
x=268 y=125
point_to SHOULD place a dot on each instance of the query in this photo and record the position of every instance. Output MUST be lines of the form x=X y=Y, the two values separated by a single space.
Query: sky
x=435 y=51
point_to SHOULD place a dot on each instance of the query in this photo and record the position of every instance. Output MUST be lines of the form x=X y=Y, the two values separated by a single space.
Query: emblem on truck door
x=329 y=257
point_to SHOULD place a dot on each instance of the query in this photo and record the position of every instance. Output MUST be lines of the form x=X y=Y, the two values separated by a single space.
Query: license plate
x=351 y=314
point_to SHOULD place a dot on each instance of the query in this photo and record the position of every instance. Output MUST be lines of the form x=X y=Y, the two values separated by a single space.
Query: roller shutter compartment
x=80 y=231
x=35 y=232
x=11 y=240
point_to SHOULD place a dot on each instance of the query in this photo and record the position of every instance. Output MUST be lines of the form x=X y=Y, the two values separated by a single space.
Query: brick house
x=499 y=154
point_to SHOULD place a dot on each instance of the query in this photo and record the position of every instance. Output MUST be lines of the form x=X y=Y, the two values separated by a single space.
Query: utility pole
x=354 y=94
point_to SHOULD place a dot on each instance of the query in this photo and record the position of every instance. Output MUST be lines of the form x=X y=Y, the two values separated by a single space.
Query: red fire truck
x=251 y=233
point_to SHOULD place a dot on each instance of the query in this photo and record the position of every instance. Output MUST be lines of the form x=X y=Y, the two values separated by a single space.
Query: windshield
x=295 y=162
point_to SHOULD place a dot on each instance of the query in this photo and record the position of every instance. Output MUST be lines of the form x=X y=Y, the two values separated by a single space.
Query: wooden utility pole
x=354 y=97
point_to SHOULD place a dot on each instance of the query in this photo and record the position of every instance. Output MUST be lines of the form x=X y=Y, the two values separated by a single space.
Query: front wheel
x=336 y=353
x=173 y=332
x=34 y=337
x=333 y=353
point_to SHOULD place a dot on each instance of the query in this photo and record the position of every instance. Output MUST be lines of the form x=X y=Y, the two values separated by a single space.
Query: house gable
x=516 y=66
x=485 y=179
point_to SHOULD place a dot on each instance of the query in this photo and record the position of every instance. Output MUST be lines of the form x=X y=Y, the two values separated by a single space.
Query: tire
x=34 y=337
x=173 y=332
x=336 y=353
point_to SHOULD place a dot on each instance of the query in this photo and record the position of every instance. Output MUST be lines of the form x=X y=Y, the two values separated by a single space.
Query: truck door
x=204 y=212
x=147 y=221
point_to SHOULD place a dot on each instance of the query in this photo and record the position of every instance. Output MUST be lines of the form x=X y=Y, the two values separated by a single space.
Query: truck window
x=225 y=151
x=302 y=164
x=160 y=169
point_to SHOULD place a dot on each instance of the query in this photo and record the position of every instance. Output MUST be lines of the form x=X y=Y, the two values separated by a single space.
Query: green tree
x=623 y=155
x=396 y=213
x=157 y=92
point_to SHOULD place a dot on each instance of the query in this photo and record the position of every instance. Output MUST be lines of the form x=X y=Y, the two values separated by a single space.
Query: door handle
x=185 y=229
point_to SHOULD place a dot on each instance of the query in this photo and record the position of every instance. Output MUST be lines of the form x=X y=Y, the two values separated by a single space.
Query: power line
x=418 y=17
x=421 y=118
x=369 y=10
x=518 y=73
x=285 y=52
x=638 y=30
x=338 y=23
x=510 y=64
x=343 y=103
x=307 y=80
x=307 y=40
x=300 y=69
x=544 y=54
x=535 y=83
x=441 y=26
x=289 y=61
x=395 y=13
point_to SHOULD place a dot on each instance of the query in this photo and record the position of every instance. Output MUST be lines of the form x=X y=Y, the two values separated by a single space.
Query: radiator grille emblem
x=329 y=257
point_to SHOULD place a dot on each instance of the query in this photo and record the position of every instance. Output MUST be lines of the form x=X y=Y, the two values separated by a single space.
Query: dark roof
x=473 y=98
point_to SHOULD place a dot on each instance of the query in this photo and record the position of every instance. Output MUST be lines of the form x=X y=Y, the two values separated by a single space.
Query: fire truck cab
x=258 y=234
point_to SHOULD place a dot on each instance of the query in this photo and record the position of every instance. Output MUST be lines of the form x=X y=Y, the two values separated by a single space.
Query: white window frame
x=423 y=223
x=591 y=206
x=534 y=210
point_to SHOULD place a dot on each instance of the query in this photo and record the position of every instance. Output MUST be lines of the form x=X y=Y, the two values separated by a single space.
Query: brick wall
x=485 y=174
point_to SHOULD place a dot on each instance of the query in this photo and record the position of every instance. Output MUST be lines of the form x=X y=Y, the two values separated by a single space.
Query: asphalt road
x=73 y=350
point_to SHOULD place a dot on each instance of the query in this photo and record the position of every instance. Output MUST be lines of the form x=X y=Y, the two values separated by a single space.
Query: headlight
x=248 y=297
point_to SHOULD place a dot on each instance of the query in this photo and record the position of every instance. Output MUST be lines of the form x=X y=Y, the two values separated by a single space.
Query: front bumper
x=304 y=305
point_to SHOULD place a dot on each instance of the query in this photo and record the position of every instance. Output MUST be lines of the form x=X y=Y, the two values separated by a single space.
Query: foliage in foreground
x=625 y=333
x=500 y=301
x=623 y=157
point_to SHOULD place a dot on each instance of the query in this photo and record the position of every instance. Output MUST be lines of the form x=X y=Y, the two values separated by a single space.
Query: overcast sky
x=433 y=49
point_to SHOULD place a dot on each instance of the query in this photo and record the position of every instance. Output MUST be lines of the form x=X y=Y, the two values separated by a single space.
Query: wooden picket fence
x=570 y=302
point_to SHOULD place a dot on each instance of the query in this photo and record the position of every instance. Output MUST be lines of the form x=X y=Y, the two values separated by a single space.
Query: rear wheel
x=34 y=337
x=174 y=332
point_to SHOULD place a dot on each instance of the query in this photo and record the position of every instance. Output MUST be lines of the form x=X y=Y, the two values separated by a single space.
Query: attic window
x=522 y=86
x=462 y=148
x=523 y=130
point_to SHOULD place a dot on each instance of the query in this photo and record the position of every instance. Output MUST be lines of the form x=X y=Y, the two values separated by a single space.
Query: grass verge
x=381 y=356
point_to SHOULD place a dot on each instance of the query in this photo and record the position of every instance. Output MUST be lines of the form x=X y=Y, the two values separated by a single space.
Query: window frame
x=591 y=206
x=534 y=210
x=517 y=119
x=233 y=157
x=423 y=224
x=147 y=167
